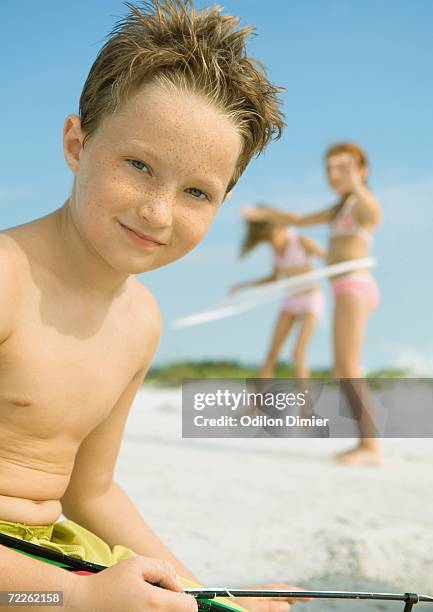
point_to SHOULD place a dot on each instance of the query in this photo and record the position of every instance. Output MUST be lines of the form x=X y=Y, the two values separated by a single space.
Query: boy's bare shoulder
x=9 y=247
x=10 y=259
x=144 y=301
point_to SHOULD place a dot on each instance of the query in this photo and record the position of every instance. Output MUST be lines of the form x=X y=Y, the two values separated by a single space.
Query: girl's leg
x=282 y=327
x=350 y=321
x=308 y=323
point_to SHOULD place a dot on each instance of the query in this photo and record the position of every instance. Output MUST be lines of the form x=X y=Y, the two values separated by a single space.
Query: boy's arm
x=133 y=585
x=93 y=499
x=312 y=247
x=18 y=572
x=115 y=519
x=96 y=502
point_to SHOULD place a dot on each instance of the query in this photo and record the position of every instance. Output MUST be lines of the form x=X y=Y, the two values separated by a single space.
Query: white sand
x=247 y=511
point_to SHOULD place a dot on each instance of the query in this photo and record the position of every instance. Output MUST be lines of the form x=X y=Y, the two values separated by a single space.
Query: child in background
x=292 y=255
x=170 y=115
x=352 y=220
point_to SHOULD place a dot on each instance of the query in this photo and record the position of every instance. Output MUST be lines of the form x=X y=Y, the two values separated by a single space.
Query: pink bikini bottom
x=360 y=284
x=301 y=303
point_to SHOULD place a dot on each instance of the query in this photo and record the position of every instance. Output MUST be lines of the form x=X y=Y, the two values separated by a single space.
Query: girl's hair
x=351 y=148
x=256 y=232
x=203 y=52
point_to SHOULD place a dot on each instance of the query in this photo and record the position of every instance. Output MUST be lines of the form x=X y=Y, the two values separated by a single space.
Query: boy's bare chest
x=61 y=374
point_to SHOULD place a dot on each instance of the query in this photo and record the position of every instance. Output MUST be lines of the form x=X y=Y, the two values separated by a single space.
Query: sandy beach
x=244 y=512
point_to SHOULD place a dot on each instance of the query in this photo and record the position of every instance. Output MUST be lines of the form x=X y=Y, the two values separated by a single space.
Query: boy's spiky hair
x=204 y=52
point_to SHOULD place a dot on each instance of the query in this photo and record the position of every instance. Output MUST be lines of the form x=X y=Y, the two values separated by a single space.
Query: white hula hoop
x=250 y=298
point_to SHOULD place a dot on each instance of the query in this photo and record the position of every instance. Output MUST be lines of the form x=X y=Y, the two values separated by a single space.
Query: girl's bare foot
x=361 y=456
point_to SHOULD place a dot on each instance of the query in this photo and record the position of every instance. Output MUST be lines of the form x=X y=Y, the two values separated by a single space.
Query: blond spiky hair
x=170 y=43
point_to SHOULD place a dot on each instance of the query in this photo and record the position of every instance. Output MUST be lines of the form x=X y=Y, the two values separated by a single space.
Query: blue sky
x=352 y=70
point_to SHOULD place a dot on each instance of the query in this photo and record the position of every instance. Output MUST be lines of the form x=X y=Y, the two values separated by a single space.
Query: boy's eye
x=197 y=193
x=138 y=164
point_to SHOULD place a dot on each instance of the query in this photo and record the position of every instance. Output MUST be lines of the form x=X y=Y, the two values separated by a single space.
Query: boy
x=170 y=115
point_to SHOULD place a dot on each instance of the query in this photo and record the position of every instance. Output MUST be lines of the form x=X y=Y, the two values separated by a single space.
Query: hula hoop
x=219 y=312
x=301 y=281
x=251 y=298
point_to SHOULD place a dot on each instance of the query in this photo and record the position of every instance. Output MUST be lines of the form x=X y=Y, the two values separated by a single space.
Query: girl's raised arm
x=367 y=209
x=316 y=218
x=266 y=213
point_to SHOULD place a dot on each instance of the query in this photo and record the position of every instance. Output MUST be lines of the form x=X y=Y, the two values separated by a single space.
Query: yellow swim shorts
x=71 y=539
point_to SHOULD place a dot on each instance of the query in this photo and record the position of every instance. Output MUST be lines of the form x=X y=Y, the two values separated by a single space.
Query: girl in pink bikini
x=352 y=222
x=292 y=255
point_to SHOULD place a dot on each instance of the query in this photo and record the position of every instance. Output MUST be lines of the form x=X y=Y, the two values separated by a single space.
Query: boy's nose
x=158 y=211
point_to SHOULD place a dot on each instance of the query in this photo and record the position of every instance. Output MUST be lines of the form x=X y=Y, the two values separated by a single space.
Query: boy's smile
x=149 y=181
x=139 y=238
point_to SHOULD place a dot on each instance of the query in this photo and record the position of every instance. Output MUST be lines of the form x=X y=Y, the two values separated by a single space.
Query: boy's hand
x=135 y=584
x=270 y=604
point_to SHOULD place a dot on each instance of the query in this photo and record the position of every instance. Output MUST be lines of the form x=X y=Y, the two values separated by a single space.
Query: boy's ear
x=228 y=196
x=72 y=142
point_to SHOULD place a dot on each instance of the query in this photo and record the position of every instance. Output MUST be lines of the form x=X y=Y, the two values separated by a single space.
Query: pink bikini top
x=344 y=223
x=294 y=254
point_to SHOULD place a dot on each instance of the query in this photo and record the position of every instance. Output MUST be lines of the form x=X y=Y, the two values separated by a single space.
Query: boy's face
x=158 y=168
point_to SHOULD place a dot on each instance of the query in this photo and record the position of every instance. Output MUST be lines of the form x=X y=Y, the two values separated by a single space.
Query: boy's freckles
x=193 y=138
x=186 y=145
